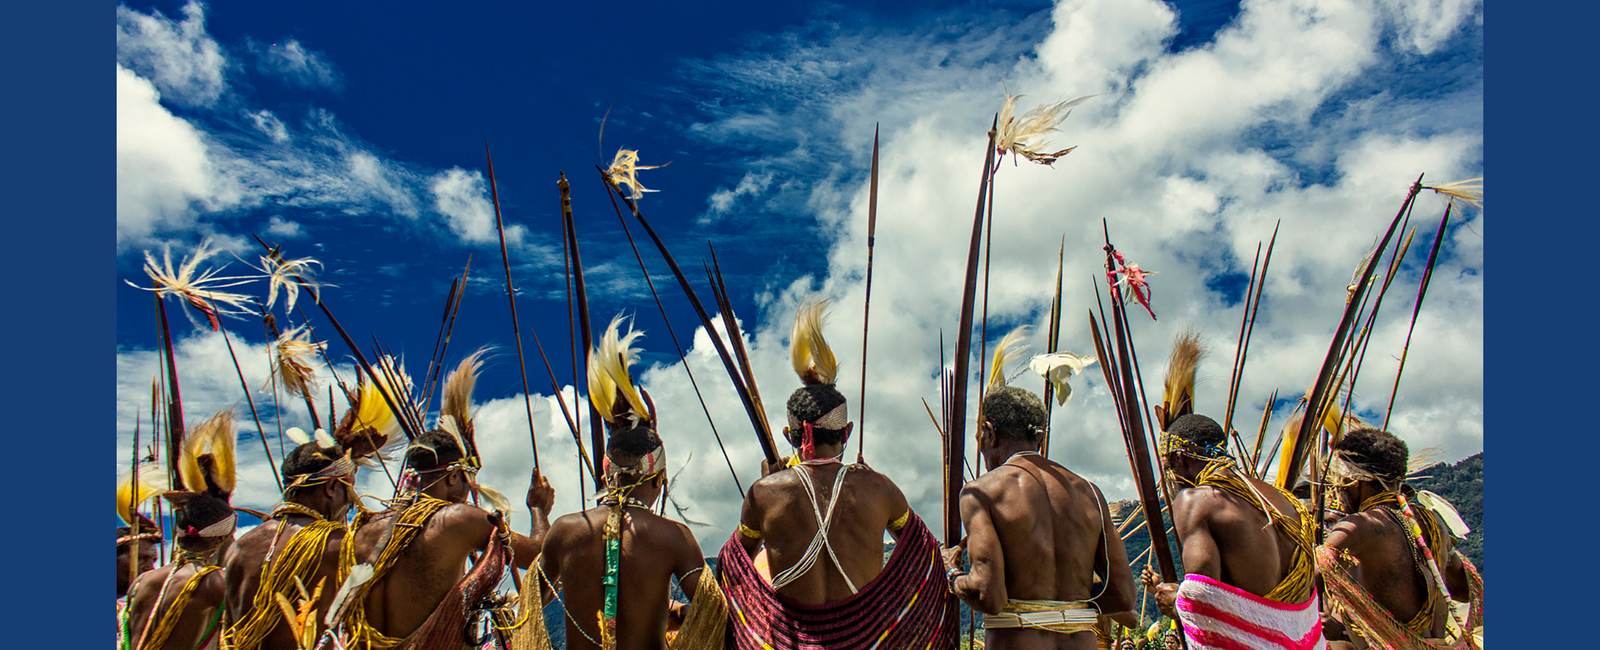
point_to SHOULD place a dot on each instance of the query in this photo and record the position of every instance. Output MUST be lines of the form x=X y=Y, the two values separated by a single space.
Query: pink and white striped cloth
x=1219 y=617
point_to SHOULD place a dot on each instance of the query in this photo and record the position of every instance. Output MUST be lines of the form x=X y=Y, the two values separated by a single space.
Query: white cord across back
x=820 y=541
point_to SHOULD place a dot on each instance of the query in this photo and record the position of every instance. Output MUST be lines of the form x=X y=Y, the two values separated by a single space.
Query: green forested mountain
x=1462 y=485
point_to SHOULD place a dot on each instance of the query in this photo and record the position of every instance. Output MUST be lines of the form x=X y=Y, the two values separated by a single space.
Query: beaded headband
x=141 y=537
x=650 y=465
x=1171 y=444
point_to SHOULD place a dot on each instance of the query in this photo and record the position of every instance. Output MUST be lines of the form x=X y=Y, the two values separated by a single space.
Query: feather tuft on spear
x=295 y=354
x=623 y=172
x=289 y=275
x=1057 y=368
x=1009 y=348
x=1020 y=136
x=1469 y=191
x=200 y=289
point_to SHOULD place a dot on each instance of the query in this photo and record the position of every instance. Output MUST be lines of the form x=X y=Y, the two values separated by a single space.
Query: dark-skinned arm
x=550 y=561
x=540 y=498
x=687 y=567
x=1191 y=512
x=898 y=506
x=751 y=517
x=983 y=587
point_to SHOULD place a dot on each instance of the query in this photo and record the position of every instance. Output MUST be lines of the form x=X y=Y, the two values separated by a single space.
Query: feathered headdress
x=206 y=465
x=812 y=358
x=152 y=483
x=611 y=388
x=455 y=409
x=1178 y=390
x=1009 y=349
x=369 y=427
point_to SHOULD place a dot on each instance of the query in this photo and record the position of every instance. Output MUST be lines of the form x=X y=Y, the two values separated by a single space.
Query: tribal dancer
x=422 y=594
x=179 y=606
x=614 y=563
x=1051 y=524
x=1228 y=524
x=137 y=541
x=822 y=523
x=1390 y=567
x=298 y=543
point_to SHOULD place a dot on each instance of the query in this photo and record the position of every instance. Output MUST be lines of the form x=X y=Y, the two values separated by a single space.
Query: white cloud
x=1174 y=159
x=723 y=200
x=295 y=64
x=269 y=125
x=284 y=229
x=164 y=169
x=178 y=56
x=462 y=197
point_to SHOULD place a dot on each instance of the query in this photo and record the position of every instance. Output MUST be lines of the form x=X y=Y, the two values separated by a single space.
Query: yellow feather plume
x=372 y=410
x=1178 y=390
x=608 y=374
x=1291 y=433
x=812 y=358
x=1007 y=351
x=457 y=400
x=207 y=461
x=152 y=483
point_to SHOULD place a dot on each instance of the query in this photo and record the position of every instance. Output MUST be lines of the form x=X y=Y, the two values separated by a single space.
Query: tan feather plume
x=296 y=354
x=1009 y=349
x=609 y=377
x=207 y=461
x=369 y=412
x=457 y=400
x=152 y=483
x=813 y=360
x=1177 y=398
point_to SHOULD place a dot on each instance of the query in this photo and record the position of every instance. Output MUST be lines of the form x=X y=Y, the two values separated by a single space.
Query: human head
x=1368 y=461
x=321 y=478
x=1170 y=640
x=1012 y=416
x=443 y=470
x=1190 y=443
x=636 y=462
x=146 y=539
x=200 y=522
x=823 y=408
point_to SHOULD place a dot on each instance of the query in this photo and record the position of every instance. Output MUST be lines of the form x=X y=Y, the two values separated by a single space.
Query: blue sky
x=357 y=138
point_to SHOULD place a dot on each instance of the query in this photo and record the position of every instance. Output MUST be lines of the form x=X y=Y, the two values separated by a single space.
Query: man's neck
x=1002 y=454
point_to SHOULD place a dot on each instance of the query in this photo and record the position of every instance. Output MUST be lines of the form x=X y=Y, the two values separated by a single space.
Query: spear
x=251 y=401
x=866 y=303
x=1295 y=456
x=271 y=323
x=1247 y=329
x=719 y=290
x=1134 y=423
x=1054 y=342
x=562 y=400
x=597 y=437
x=511 y=294
x=963 y=354
x=676 y=346
x=759 y=423
x=1422 y=292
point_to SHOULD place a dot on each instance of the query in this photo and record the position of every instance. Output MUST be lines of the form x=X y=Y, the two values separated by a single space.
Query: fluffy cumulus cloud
x=1192 y=158
x=194 y=153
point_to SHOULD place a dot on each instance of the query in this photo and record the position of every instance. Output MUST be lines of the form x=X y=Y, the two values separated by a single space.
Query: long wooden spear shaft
x=1135 y=433
x=675 y=344
x=763 y=433
x=719 y=290
x=271 y=324
x=1422 y=292
x=1319 y=393
x=597 y=434
x=866 y=303
x=261 y=432
x=1254 y=307
x=561 y=399
x=963 y=357
x=1053 y=343
x=174 y=403
x=511 y=294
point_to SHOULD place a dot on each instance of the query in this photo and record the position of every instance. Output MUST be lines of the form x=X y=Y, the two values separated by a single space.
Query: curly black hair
x=198 y=512
x=808 y=404
x=1198 y=429
x=1014 y=413
x=627 y=446
x=308 y=458
x=1376 y=451
x=433 y=450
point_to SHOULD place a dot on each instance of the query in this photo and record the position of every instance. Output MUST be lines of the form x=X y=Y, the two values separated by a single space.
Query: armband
x=749 y=532
x=897 y=524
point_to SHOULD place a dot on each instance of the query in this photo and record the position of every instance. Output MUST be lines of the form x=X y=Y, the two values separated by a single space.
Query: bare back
x=242 y=574
x=654 y=551
x=425 y=571
x=1386 y=568
x=199 y=618
x=1044 y=529
x=779 y=506
x=1226 y=537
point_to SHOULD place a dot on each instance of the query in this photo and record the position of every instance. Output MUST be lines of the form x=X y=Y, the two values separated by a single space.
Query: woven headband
x=1174 y=444
x=153 y=535
x=220 y=529
x=833 y=421
x=337 y=469
x=651 y=464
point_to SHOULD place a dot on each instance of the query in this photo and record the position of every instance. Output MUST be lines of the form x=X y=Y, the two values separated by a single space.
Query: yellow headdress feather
x=1178 y=390
x=457 y=400
x=609 y=377
x=812 y=358
x=152 y=483
x=1007 y=351
x=370 y=411
x=207 y=462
